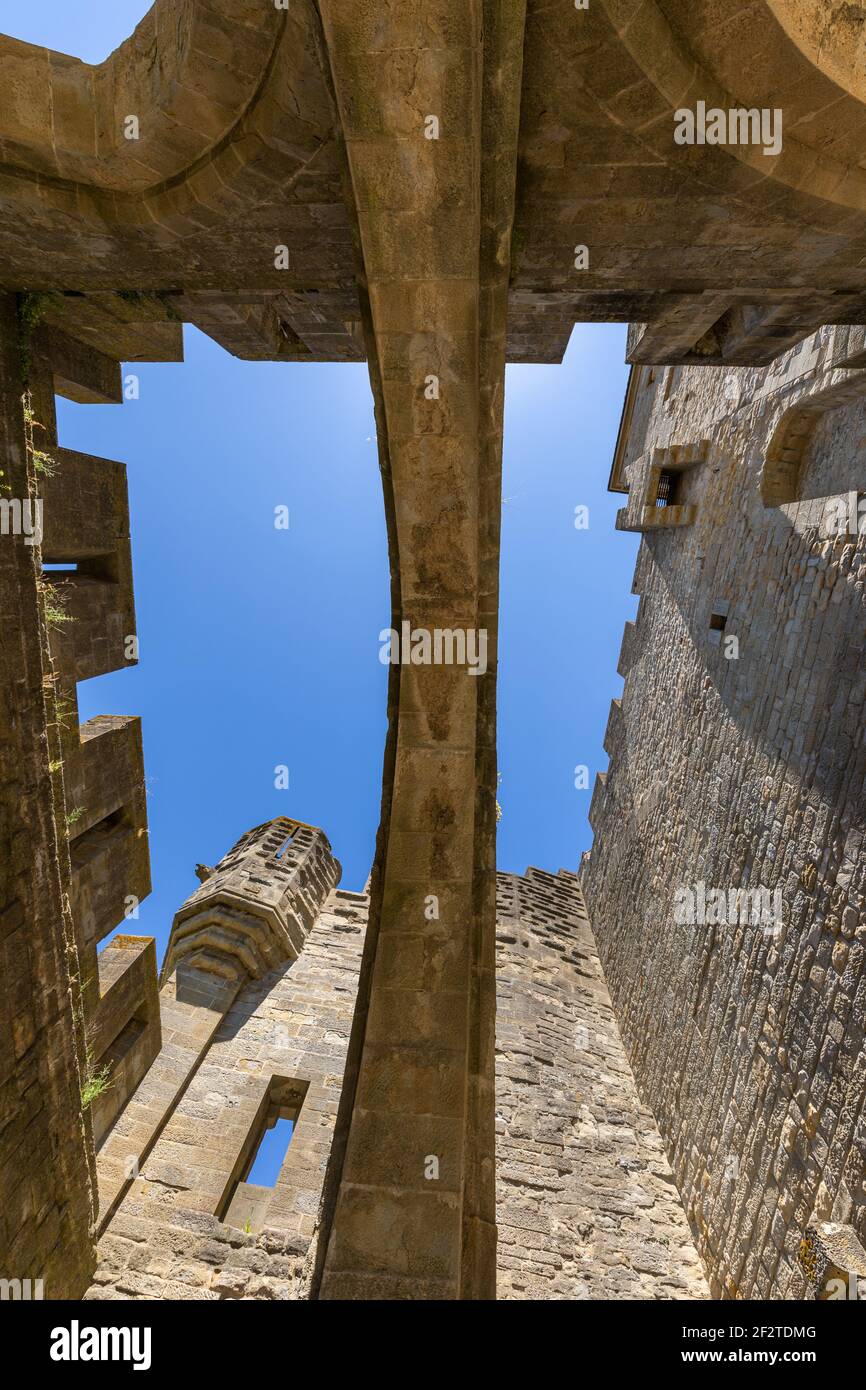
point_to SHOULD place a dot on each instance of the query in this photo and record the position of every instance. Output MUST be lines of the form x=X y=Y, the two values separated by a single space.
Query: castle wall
x=586 y=1205
x=744 y=770
x=46 y=1157
x=79 y=1030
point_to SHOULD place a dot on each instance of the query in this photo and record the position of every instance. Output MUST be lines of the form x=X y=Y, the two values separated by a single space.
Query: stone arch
x=64 y=118
x=780 y=476
x=214 y=84
x=831 y=35
x=686 y=59
x=788 y=449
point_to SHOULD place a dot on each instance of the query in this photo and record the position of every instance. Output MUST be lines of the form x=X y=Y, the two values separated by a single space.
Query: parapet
x=124 y=1032
x=108 y=845
x=255 y=909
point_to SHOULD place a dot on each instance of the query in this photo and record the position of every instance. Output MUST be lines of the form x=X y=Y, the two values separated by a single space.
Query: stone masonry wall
x=47 y=1180
x=586 y=1204
x=745 y=770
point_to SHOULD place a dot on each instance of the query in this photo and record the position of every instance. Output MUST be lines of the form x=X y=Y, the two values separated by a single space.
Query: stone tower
x=258 y=988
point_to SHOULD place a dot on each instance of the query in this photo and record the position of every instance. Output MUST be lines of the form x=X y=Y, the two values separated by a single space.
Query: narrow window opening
x=248 y=1193
x=668 y=491
x=273 y=1147
x=101 y=565
x=718 y=620
x=284 y=846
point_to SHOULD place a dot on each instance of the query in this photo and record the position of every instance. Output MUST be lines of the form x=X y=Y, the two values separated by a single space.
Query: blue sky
x=260 y=647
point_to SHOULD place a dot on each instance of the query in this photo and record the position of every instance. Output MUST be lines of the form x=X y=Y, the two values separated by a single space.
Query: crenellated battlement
x=91 y=624
x=93 y=1024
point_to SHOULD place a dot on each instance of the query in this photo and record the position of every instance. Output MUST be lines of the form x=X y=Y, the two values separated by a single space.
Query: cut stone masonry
x=439 y=188
x=586 y=1203
x=737 y=760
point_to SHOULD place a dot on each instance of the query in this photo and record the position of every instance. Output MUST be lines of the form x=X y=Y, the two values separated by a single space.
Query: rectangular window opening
x=272 y=1149
x=668 y=491
x=247 y=1196
x=718 y=620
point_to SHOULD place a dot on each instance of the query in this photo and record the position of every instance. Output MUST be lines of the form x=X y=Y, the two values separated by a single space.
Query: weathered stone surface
x=82 y=1030
x=124 y=1027
x=173 y=1223
x=586 y=1205
x=434 y=207
x=46 y=1156
x=737 y=771
x=722 y=253
x=282 y=188
x=254 y=910
x=833 y=1261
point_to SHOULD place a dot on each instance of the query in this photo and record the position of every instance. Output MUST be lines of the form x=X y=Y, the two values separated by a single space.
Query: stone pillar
x=418 y=89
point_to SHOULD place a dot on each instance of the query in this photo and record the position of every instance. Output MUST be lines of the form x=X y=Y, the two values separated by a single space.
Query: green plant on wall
x=54 y=605
x=64 y=711
x=43 y=464
x=96 y=1082
x=158 y=299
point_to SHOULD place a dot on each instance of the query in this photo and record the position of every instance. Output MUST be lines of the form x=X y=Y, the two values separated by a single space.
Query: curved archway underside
x=728 y=255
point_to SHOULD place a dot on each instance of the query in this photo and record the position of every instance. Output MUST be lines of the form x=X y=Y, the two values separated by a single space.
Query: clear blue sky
x=260 y=647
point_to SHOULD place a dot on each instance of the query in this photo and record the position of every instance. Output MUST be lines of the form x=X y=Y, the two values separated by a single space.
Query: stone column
x=428 y=96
